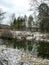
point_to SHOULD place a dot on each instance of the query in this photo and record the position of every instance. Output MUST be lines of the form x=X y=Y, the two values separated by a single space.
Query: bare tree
x=2 y=15
x=34 y=4
x=37 y=2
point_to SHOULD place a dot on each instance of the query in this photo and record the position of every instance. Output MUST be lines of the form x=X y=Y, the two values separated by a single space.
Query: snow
x=29 y=38
x=12 y=56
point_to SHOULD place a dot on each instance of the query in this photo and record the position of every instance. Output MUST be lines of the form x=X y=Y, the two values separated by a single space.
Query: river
x=11 y=51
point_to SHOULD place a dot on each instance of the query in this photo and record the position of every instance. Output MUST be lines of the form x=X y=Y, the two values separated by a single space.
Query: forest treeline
x=42 y=20
x=24 y=22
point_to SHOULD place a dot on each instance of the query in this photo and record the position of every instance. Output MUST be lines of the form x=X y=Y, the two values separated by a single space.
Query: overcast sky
x=20 y=7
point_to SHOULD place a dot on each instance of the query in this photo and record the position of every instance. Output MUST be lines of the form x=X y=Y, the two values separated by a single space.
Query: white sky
x=20 y=7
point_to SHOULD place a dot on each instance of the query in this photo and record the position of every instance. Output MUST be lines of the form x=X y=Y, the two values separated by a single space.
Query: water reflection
x=1 y=41
x=36 y=48
x=43 y=49
x=28 y=46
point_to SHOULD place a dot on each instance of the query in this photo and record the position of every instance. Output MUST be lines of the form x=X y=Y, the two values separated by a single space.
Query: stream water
x=15 y=48
x=36 y=48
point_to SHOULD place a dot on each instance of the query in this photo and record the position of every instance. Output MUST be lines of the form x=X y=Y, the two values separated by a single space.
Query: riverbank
x=10 y=56
x=27 y=35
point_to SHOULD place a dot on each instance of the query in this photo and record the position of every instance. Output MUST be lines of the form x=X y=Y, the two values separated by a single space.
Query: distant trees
x=30 y=21
x=25 y=23
x=21 y=23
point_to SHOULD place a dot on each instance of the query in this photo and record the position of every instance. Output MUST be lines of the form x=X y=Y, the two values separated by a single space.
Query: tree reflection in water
x=36 y=48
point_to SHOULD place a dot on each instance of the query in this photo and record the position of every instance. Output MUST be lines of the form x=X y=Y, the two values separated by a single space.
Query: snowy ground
x=10 y=56
x=21 y=35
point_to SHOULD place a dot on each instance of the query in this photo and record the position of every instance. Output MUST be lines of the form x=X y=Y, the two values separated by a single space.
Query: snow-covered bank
x=27 y=35
x=10 y=56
